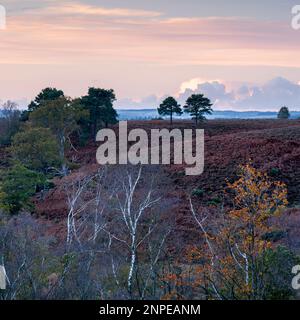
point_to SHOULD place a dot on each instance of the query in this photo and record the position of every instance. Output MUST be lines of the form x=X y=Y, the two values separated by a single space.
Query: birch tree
x=233 y=266
x=136 y=226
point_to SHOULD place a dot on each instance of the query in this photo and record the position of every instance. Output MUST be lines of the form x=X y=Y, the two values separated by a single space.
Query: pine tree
x=198 y=106
x=99 y=103
x=169 y=107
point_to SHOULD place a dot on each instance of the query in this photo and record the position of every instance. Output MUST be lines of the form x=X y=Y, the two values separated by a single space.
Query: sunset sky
x=243 y=54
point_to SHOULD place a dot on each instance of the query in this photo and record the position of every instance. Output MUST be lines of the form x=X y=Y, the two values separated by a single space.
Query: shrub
x=214 y=202
x=274 y=236
x=17 y=185
x=274 y=172
x=198 y=192
x=37 y=149
x=278 y=264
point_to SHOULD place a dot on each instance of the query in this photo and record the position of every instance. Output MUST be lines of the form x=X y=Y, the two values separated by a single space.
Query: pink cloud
x=98 y=43
x=269 y=96
x=88 y=32
x=77 y=8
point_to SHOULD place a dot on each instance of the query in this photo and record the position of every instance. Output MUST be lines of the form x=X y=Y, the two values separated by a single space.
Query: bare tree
x=76 y=206
x=137 y=197
x=113 y=209
x=9 y=122
x=25 y=254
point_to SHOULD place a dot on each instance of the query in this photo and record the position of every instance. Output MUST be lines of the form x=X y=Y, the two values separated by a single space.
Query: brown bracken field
x=273 y=146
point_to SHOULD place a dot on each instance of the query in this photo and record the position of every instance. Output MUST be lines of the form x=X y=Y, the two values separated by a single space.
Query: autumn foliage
x=231 y=263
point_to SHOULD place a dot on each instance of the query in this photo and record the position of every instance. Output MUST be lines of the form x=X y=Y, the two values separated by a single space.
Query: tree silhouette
x=99 y=103
x=283 y=113
x=198 y=106
x=47 y=94
x=169 y=107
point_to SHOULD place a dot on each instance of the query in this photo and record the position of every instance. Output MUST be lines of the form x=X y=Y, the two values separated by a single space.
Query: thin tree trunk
x=64 y=169
x=132 y=266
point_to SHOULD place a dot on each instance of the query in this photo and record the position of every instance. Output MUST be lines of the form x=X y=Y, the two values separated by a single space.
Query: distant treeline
x=148 y=114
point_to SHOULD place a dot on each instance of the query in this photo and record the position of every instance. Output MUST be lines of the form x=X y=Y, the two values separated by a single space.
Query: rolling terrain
x=270 y=145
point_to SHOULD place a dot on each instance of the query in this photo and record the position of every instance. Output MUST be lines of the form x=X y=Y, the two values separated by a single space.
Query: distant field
x=271 y=145
x=148 y=114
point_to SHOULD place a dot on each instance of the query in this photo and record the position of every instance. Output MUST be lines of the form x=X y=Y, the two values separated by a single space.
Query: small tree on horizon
x=198 y=106
x=169 y=107
x=283 y=113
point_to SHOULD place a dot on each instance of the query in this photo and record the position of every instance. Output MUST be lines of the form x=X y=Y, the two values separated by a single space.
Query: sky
x=244 y=55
